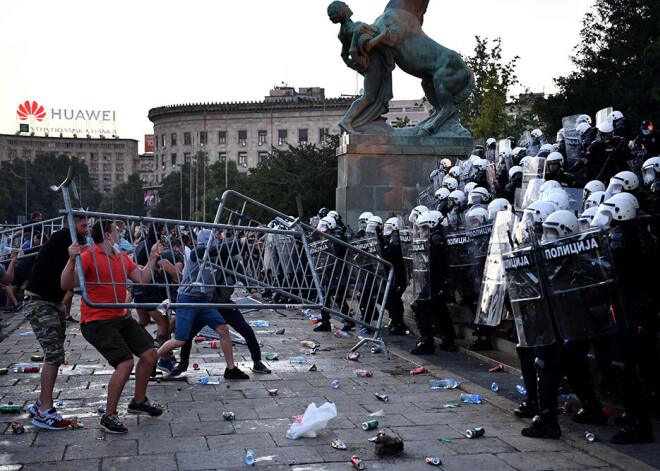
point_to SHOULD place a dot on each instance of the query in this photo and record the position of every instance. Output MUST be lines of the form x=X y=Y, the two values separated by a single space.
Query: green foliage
x=44 y=171
x=125 y=198
x=616 y=64
x=175 y=190
x=402 y=123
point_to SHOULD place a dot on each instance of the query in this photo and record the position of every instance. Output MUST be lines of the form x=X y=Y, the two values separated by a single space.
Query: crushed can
x=76 y=424
x=568 y=407
x=315 y=350
x=272 y=392
x=496 y=368
x=338 y=444
x=590 y=436
x=195 y=366
x=370 y=425
x=357 y=462
x=228 y=415
x=272 y=357
x=353 y=356
x=37 y=357
x=101 y=410
x=17 y=428
x=382 y=397
x=312 y=368
x=11 y=409
x=435 y=461
x=376 y=349
x=418 y=371
x=475 y=432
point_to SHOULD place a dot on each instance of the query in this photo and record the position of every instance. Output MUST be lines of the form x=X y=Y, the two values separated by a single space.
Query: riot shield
x=480 y=237
x=426 y=196
x=420 y=251
x=574 y=199
x=406 y=238
x=531 y=194
x=535 y=169
x=525 y=289
x=581 y=286
x=572 y=139
x=460 y=264
x=363 y=280
x=493 y=287
x=603 y=115
x=527 y=141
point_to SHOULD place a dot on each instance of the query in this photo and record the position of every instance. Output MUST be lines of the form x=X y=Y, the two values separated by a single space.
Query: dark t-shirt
x=48 y=266
x=173 y=257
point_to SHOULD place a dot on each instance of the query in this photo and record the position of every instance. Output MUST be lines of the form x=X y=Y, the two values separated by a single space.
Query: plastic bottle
x=163 y=307
x=249 y=458
x=494 y=387
x=259 y=323
x=25 y=368
x=443 y=384
x=298 y=360
x=209 y=380
x=335 y=384
x=214 y=343
x=471 y=398
x=521 y=389
x=307 y=312
x=364 y=330
x=308 y=343
x=341 y=333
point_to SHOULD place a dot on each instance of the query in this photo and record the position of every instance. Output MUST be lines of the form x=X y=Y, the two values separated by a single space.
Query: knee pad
x=540 y=364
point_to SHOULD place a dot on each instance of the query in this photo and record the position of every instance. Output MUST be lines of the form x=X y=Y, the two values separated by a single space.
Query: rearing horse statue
x=446 y=78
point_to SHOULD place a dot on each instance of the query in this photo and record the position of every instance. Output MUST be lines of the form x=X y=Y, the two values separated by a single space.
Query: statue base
x=380 y=173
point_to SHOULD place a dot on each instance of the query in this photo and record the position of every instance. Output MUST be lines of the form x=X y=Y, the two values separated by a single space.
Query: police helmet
x=450 y=183
x=416 y=211
x=560 y=224
x=497 y=205
x=441 y=194
x=592 y=187
x=515 y=170
x=651 y=170
x=554 y=158
x=476 y=216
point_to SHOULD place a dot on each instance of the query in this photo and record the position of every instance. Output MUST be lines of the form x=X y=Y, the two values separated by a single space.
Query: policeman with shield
x=391 y=248
x=430 y=308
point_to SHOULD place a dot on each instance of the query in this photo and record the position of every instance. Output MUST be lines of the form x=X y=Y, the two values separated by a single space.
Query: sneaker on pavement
x=259 y=367
x=165 y=365
x=33 y=408
x=145 y=407
x=50 y=420
x=70 y=319
x=111 y=423
x=235 y=373
x=178 y=369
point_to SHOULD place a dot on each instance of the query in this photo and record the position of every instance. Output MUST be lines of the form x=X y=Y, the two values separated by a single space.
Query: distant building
x=110 y=161
x=414 y=110
x=243 y=131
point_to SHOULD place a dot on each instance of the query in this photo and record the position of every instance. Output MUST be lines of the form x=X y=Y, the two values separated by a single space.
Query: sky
x=131 y=56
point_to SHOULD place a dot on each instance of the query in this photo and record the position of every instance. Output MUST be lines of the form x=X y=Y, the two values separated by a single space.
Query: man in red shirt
x=114 y=332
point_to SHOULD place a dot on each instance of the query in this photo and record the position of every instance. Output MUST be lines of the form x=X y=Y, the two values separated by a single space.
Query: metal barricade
x=12 y=239
x=349 y=278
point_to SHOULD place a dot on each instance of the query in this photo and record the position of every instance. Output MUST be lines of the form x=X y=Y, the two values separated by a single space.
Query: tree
x=125 y=198
x=402 y=123
x=616 y=64
x=174 y=195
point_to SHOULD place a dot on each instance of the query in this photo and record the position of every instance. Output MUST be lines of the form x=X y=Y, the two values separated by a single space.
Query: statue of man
x=376 y=66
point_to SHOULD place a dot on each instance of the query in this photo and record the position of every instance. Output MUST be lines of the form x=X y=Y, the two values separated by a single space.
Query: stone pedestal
x=380 y=173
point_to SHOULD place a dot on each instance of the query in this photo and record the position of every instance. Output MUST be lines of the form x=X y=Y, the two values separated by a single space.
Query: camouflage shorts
x=49 y=325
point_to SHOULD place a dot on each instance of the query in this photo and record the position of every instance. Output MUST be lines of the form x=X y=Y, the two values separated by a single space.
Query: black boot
x=637 y=432
x=527 y=410
x=348 y=325
x=180 y=368
x=543 y=426
x=448 y=345
x=323 y=327
x=397 y=329
x=481 y=344
x=424 y=347
x=591 y=413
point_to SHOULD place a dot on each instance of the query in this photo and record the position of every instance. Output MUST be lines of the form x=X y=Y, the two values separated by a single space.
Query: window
x=186 y=157
x=222 y=137
x=107 y=157
x=81 y=155
x=186 y=139
x=118 y=146
x=68 y=145
x=173 y=139
x=242 y=159
x=12 y=154
x=282 y=136
x=94 y=167
x=203 y=137
x=120 y=168
x=323 y=134
x=119 y=156
x=107 y=167
x=173 y=159
x=262 y=156
x=302 y=136
x=242 y=138
x=163 y=140
x=263 y=135
x=26 y=154
x=222 y=156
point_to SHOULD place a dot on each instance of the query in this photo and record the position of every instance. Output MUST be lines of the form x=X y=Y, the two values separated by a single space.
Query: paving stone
x=194 y=429
x=102 y=449
x=546 y=460
x=163 y=445
x=161 y=462
x=67 y=465
x=37 y=454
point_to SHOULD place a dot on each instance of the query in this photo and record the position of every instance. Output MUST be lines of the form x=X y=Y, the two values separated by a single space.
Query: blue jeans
x=186 y=318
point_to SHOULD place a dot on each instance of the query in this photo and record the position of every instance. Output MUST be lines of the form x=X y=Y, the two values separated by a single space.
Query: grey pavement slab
x=191 y=434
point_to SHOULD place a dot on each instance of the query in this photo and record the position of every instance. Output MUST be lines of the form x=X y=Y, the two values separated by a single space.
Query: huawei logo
x=34 y=109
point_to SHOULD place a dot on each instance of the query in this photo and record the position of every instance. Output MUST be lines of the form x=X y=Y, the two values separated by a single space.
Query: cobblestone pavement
x=191 y=434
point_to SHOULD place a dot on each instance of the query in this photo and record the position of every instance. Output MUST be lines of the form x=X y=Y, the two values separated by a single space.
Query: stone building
x=243 y=131
x=110 y=161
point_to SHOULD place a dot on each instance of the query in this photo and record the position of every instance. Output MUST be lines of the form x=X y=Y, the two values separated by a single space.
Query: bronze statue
x=397 y=34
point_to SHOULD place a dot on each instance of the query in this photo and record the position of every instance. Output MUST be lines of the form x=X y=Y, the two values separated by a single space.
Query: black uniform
x=509 y=192
x=651 y=142
x=391 y=250
x=565 y=179
x=431 y=313
x=604 y=159
x=622 y=129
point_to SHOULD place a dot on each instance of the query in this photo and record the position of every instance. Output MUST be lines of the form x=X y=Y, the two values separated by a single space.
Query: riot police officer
x=606 y=156
x=620 y=124
x=481 y=175
x=362 y=223
x=651 y=173
x=649 y=138
x=555 y=162
x=515 y=181
x=391 y=250
x=430 y=308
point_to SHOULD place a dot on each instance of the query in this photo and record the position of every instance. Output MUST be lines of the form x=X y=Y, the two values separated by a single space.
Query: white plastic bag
x=313 y=420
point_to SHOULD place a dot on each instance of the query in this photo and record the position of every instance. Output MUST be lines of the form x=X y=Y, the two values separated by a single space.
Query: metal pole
x=25 y=179
x=181 y=192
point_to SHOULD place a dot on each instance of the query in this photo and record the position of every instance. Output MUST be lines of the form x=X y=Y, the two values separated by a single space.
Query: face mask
x=116 y=248
x=646 y=132
x=363 y=225
x=387 y=230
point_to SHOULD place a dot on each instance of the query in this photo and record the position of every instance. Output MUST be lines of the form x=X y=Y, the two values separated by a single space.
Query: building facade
x=414 y=110
x=243 y=131
x=110 y=161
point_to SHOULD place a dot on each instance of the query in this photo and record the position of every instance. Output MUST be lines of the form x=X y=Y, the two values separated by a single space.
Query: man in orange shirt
x=114 y=332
